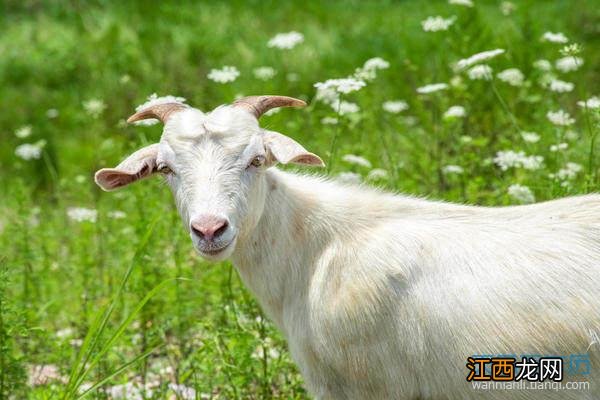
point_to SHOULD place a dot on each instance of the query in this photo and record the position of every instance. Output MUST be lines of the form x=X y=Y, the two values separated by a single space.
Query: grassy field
x=101 y=294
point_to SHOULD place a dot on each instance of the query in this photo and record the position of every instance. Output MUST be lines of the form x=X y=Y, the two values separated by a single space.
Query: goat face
x=214 y=164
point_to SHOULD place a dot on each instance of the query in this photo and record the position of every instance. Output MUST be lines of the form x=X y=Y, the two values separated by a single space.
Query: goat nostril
x=220 y=230
x=197 y=230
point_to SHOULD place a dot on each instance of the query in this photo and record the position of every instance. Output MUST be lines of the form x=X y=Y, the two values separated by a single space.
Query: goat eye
x=257 y=161
x=163 y=169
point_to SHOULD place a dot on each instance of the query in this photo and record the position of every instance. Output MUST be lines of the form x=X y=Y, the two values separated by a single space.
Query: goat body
x=383 y=296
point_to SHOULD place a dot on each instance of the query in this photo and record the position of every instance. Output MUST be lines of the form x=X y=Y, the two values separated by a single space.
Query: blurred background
x=101 y=294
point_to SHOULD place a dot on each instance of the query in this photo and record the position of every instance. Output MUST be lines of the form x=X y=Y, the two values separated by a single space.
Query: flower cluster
x=30 y=151
x=286 y=41
x=560 y=118
x=521 y=193
x=82 y=214
x=517 y=159
x=478 y=58
x=512 y=76
x=94 y=107
x=264 y=73
x=395 y=106
x=224 y=75
x=435 y=24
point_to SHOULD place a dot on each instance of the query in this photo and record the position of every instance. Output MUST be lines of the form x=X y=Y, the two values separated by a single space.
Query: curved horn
x=258 y=105
x=159 y=111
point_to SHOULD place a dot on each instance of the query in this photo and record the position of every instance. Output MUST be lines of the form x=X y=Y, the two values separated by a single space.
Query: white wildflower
x=264 y=73
x=345 y=107
x=431 y=88
x=117 y=214
x=530 y=137
x=292 y=77
x=357 y=160
x=542 y=65
x=546 y=78
x=511 y=159
x=466 y=3
x=571 y=135
x=480 y=72
x=559 y=86
x=368 y=71
x=30 y=151
x=344 y=85
x=559 y=147
x=560 y=118
x=94 y=107
x=286 y=41
x=521 y=193
x=267 y=346
x=81 y=214
x=44 y=374
x=129 y=391
x=508 y=159
x=51 y=113
x=364 y=74
x=477 y=58
x=154 y=100
x=591 y=103
x=532 y=162
x=125 y=79
x=226 y=74
x=377 y=174
x=23 y=132
x=506 y=7
x=570 y=171
x=85 y=386
x=456 y=81
x=437 y=23
x=376 y=63
x=557 y=37
x=512 y=76
x=453 y=169
x=327 y=95
x=182 y=391
x=349 y=177
x=329 y=121
x=395 y=106
x=568 y=64
x=410 y=120
x=65 y=333
x=455 y=112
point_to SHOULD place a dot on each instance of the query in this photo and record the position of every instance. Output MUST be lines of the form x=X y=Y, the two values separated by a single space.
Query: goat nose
x=209 y=227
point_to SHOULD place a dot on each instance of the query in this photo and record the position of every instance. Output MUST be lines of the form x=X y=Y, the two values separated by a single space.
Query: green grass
x=117 y=292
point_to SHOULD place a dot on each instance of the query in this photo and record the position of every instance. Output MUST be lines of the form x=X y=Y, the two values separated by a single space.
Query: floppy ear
x=139 y=165
x=286 y=150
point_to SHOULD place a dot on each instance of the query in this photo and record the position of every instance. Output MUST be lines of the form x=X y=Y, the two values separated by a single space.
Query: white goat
x=380 y=296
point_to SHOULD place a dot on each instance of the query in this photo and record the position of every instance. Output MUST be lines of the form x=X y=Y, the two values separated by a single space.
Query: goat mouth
x=214 y=251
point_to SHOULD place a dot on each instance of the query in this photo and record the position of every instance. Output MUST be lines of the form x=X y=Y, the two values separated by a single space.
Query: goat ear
x=139 y=165
x=286 y=150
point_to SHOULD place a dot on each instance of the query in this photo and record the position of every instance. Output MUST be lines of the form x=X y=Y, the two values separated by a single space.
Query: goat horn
x=258 y=105
x=160 y=111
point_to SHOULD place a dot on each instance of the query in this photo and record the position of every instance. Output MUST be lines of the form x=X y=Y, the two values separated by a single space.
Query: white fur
x=384 y=296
